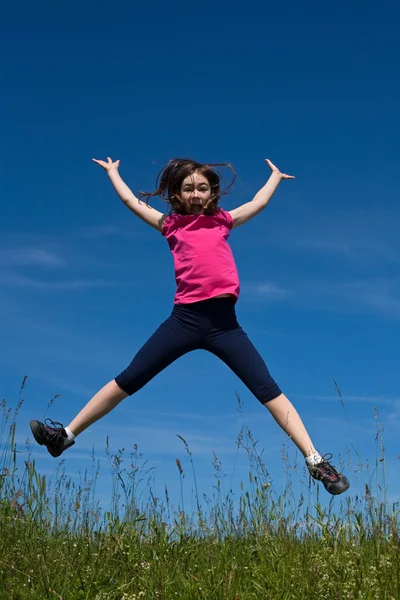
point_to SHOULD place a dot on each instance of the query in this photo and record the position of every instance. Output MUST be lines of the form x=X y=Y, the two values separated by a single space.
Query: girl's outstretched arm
x=250 y=209
x=153 y=217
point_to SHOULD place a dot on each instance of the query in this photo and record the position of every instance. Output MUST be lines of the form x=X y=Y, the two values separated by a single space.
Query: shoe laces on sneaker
x=54 y=430
x=325 y=470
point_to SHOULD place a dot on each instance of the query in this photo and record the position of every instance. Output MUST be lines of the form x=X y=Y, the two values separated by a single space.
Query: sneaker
x=52 y=435
x=335 y=483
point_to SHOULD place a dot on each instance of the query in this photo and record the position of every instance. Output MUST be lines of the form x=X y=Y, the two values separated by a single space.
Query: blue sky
x=84 y=283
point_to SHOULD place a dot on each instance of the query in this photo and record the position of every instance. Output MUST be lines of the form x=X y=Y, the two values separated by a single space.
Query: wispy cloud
x=106 y=230
x=99 y=231
x=25 y=263
x=359 y=235
x=374 y=400
x=159 y=438
x=75 y=248
x=62 y=385
x=267 y=290
x=30 y=256
x=376 y=294
x=332 y=246
x=384 y=301
x=11 y=280
x=381 y=294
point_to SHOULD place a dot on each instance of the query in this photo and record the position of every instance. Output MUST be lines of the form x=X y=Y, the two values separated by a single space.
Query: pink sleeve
x=227 y=218
x=168 y=221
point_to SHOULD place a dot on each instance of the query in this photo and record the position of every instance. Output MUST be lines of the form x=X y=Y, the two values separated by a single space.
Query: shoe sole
x=344 y=486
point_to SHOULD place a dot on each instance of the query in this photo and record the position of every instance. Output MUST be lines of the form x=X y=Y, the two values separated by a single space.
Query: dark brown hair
x=171 y=176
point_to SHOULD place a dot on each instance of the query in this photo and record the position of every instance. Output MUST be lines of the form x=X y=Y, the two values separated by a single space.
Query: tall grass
x=56 y=542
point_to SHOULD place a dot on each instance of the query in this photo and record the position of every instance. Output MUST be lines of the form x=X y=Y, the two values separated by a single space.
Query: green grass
x=56 y=543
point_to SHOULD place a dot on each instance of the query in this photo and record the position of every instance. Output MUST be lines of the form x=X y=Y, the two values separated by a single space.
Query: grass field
x=56 y=543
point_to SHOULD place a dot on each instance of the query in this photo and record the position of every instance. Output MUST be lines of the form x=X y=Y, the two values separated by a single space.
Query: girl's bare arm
x=150 y=215
x=250 y=209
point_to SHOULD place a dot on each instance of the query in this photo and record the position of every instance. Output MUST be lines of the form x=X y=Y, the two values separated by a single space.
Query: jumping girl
x=203 y=316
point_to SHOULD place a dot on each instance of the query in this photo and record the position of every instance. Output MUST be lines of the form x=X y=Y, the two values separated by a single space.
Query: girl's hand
x=276 y=171
x=109 y=165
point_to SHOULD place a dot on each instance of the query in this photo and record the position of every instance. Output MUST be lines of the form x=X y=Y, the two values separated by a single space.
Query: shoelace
x=54 y=429
x=327 y=468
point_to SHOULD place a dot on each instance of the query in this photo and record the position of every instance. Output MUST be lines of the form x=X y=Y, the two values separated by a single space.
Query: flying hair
x=171 y=176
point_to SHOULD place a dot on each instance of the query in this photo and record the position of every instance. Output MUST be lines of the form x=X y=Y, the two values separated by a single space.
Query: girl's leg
x=236 y=350
x=169 y=342
x=102 y=403
x=289 y=419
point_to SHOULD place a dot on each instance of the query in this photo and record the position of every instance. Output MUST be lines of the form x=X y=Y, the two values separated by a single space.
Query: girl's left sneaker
x=52 y=435
x=335 y=483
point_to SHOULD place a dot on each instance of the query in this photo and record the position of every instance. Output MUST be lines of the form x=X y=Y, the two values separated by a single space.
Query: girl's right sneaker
x=335 y=483
x=52 y=435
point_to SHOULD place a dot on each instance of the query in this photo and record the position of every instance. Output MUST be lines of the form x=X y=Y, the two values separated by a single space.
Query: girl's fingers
x=106 y=165
x=102 y=164
x=271 y=165
x=274 y=168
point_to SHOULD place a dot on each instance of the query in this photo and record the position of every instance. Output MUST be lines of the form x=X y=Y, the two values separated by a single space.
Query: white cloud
x=11 y=280
x=266 y=290
x=362 y=236
x=384 y=302
x=93 y=232
x=376 y=294
x=334 y=246
x=374 y=400
x=158 y=438
x=99 y=231
x=31 y=256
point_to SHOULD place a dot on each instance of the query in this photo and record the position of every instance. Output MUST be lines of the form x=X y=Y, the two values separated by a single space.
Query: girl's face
x=196 y=192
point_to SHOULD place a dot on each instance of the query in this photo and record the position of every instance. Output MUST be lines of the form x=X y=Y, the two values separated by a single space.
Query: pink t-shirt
x=203 y=260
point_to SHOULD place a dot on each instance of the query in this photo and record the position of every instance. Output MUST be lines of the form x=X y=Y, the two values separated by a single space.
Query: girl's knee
x=275 y=394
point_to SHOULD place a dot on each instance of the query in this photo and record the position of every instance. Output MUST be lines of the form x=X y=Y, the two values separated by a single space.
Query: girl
x=203 y=315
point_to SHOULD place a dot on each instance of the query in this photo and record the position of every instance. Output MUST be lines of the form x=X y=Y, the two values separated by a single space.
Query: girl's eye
x=190 y=189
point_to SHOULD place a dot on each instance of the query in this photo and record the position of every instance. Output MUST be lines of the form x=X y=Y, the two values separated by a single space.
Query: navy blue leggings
x=208 y=325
